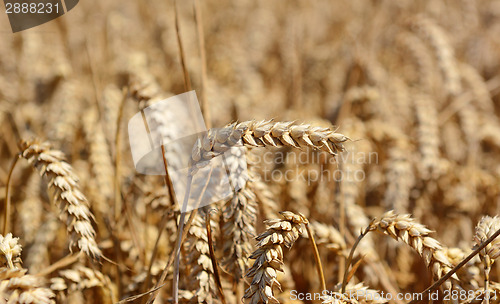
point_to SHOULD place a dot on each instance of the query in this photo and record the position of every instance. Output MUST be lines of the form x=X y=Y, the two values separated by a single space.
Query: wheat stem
x=6 y=219
x=319 y=267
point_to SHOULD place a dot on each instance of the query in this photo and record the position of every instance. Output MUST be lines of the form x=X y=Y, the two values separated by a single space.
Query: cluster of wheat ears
x=371 y=137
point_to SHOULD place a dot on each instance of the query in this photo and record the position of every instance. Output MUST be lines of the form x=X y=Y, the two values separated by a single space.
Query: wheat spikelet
x=427 y=133
x=399 y=92
x=18 y=287
x=269 y=256
x=484 y=229
x=66 y=195
x=200 y=283
x=65 y=111
x=100 y=159
x=423 y=58
x=444 y=52
x=80 y=278
x=111 y=98
x=403 y=227
x=267 y=133
x=400 y=178
x=239 y=221
x=10 y=250
x=475 y=82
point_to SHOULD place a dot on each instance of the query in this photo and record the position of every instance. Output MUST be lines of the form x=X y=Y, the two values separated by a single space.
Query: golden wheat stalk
x=66 y=195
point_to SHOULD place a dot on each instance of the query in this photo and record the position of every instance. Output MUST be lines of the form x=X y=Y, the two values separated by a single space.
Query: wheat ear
x=266 y=133
x=10 y=250
x=18 y=287
x=63 y=185
x=403 y=227
x=269 y=256
x=485 y=229
x=240 y=214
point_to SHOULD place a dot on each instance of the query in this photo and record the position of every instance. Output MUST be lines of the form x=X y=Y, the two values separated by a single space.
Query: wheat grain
x=72 y=204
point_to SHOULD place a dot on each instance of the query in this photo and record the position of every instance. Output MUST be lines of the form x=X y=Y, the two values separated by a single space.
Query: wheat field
x=371 y=146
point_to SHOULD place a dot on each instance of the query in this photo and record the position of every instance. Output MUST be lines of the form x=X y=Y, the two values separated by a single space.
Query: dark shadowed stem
x=349 y=259
x=6 y=219
x=163 y=226
x=212 y=257
x=455 y=269
x=154 y=293
x=319 y=267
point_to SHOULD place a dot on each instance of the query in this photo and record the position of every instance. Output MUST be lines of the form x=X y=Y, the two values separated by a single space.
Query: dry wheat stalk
x=269 y=256
x=18 y=287
x=267 y=133
x=403 y=227
x=66 y=195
